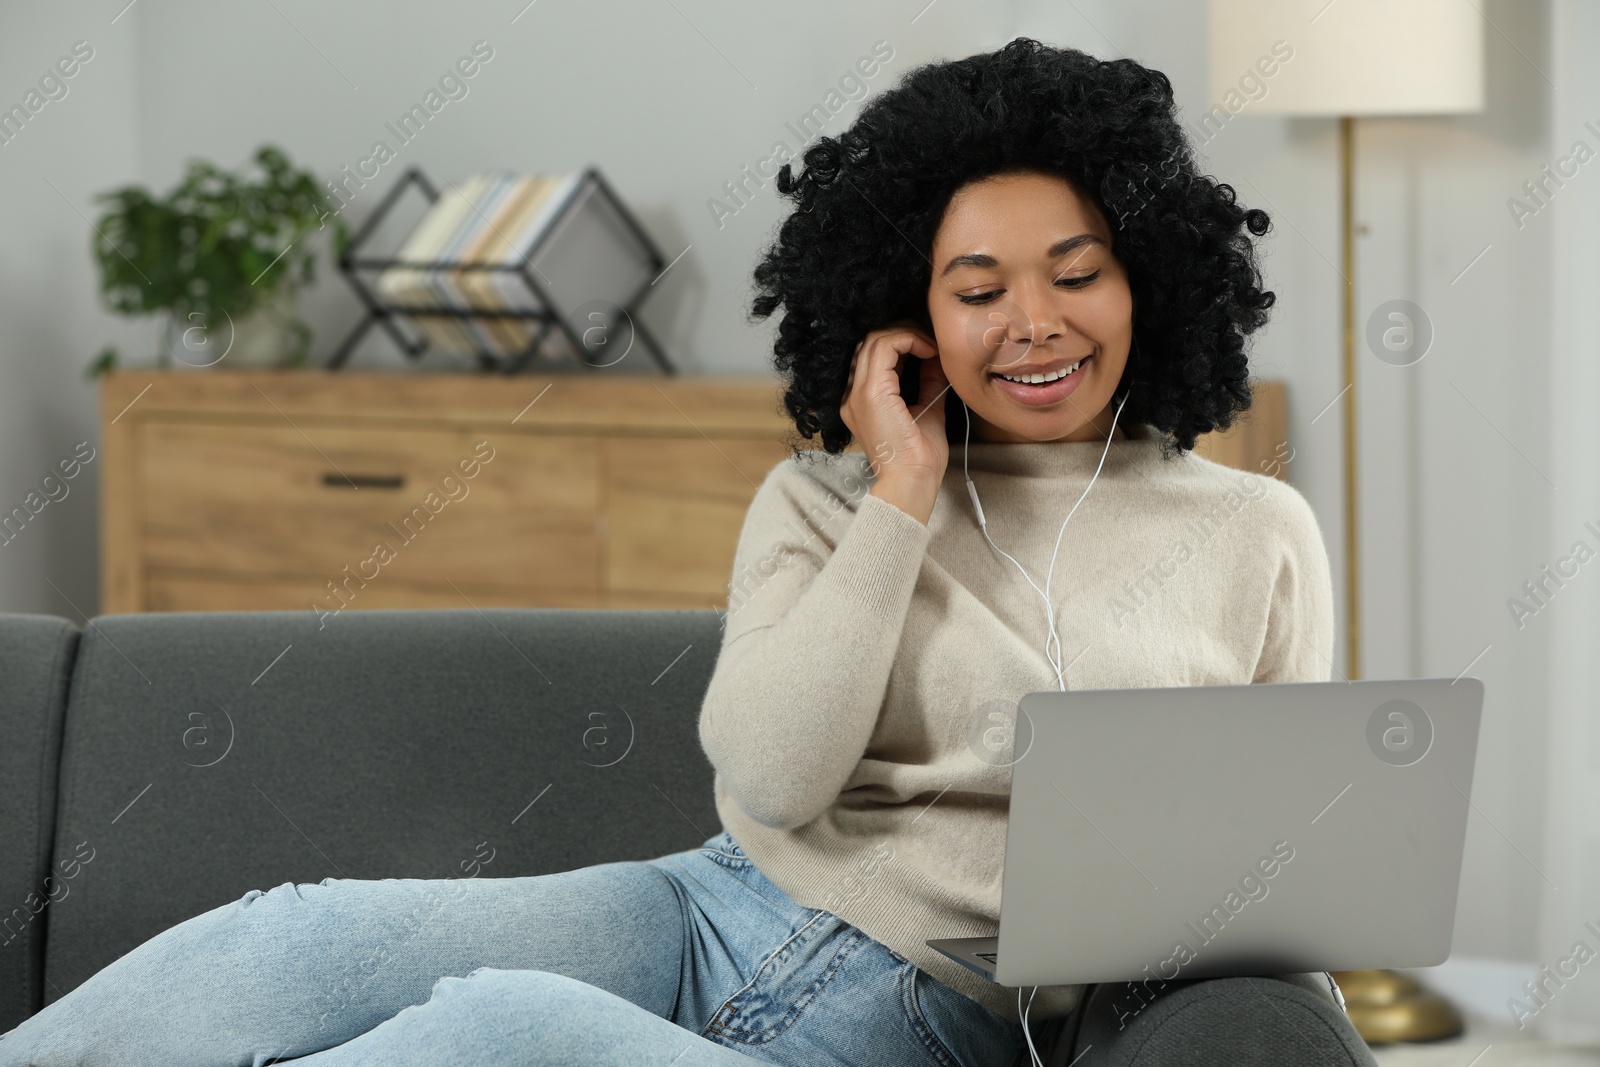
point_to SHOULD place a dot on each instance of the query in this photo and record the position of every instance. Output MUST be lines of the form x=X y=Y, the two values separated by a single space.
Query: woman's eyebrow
x=1060 y=248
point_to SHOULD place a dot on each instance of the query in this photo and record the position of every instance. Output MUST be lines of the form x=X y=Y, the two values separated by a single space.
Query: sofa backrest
x=36 y=655
x=204 y=755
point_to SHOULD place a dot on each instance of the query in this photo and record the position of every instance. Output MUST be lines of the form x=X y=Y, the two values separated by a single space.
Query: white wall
x=1571 y=903
x=73 y=148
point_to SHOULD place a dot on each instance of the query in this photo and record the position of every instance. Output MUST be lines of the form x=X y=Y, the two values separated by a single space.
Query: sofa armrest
x=36 y=659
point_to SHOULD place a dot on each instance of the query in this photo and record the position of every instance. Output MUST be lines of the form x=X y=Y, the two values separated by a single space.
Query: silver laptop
x=1211 y=831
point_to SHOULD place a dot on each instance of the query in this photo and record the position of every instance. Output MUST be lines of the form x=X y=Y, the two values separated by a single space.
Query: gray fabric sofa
x=155 y=766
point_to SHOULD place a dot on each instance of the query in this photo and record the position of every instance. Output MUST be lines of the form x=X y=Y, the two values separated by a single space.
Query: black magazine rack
x=551 y=316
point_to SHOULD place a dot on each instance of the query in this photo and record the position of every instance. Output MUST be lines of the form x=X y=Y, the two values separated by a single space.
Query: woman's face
x=1025 y=283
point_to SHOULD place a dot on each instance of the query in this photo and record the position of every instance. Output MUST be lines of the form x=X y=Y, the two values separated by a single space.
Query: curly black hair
x=853 y=255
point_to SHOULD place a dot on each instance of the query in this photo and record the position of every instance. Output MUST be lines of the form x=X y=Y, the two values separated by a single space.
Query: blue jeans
x=693 y=959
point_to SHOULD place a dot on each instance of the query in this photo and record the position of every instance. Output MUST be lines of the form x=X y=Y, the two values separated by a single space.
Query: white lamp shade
x=1346 y=57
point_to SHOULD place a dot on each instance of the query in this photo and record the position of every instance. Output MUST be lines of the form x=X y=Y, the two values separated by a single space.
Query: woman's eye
x=1069 y=283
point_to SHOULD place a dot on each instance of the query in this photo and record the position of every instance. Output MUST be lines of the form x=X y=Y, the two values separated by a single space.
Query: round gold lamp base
x=1387 y=1007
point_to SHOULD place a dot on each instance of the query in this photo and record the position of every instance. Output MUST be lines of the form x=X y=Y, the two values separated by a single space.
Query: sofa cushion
x=205 y=755
x=35 y=663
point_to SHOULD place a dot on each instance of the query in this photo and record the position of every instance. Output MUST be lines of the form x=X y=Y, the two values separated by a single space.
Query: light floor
x=1487 y=1044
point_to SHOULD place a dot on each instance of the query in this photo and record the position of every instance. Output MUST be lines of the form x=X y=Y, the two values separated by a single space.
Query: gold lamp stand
x=1384 y=1006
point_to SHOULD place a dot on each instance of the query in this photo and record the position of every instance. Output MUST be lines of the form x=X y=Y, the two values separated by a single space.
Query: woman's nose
x=1033 y=319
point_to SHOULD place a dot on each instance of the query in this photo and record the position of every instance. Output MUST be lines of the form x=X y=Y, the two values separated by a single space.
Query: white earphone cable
x=1052 y=645
x=1052 y=649
x=1025 y=1031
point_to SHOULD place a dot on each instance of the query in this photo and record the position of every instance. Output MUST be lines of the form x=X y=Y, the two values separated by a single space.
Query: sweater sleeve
x=816 y=607
x=1300 y=622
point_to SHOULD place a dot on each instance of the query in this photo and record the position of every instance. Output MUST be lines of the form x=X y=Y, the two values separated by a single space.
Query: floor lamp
x=1346 y=59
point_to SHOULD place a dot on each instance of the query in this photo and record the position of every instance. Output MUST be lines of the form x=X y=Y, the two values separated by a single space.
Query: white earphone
x=1052 y=639
x=1052 y=644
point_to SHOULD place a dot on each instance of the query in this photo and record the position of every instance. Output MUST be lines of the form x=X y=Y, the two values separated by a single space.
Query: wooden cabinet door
x=673 y=510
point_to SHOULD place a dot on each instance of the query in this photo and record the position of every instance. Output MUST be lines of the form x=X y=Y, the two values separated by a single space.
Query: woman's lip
x=1043 y=395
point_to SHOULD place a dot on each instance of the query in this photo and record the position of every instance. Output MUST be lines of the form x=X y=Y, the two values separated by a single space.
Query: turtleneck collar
x=1059 y=458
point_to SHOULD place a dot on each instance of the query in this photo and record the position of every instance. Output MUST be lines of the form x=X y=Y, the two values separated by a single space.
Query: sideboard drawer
x=479 y=508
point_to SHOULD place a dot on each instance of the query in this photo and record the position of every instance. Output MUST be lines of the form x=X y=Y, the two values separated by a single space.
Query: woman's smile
x=1043 y=384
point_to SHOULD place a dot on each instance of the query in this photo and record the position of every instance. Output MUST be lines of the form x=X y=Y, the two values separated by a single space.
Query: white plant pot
x=264 y=338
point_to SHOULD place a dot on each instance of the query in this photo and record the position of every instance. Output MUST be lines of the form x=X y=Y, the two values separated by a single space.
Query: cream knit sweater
x=852 y=714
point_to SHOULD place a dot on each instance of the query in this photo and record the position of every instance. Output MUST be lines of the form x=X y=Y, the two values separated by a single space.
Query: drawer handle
x=363 y=481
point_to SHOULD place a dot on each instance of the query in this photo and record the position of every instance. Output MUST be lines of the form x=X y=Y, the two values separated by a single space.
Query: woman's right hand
x=905 y=444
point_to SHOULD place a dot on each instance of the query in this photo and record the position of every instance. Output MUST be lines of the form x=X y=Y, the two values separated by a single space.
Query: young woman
x=1009 y=285
x=1021 y=241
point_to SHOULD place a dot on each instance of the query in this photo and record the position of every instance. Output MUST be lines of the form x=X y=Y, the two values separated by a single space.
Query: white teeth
x=1038 y=379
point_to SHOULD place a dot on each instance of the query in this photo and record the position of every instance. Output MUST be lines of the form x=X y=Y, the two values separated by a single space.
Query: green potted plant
x=221 y=256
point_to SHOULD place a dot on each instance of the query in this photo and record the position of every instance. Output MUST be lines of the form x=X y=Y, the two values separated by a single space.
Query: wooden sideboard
x=297 y=489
